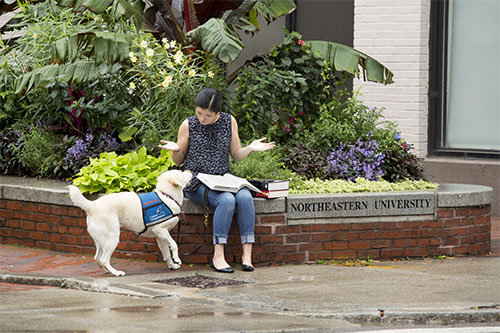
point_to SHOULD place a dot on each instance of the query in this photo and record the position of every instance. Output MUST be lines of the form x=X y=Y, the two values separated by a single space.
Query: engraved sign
x=360 y=205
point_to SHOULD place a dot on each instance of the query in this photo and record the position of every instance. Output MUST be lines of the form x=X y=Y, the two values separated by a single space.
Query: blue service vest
x=155 y=211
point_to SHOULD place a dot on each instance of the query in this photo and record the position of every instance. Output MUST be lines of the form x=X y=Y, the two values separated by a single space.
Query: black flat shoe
x=228 y=269
x=247 y=268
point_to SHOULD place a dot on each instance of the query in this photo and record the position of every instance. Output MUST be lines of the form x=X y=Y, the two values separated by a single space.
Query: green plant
x=166 y=82
x=345 y=119
x=40 y=152
x=304 y=186
x=400 y=163
x=306 y=161
x=136 y=171
x=262 y=165
x=10 y=140
x=37 y=83
x=279 y=94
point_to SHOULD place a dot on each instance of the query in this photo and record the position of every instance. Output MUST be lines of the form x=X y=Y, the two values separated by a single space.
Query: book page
x=227 y=182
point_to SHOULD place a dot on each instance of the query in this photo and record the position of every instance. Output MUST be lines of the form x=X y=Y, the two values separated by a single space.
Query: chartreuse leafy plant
x=310 y=186
x=136 y=171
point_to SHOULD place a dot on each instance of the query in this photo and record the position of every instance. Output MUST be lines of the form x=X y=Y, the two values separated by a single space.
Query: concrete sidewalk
x=425 y=291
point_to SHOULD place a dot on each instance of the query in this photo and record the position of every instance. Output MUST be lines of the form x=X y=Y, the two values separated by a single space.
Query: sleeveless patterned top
x=208 y=149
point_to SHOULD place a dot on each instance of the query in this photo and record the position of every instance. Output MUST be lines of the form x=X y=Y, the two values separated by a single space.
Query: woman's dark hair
x=209 y=98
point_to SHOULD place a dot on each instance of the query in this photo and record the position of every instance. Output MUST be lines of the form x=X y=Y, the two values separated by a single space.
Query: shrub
x=305 y=160
x=10 y=140
x=166 y=82
x=280 y=93
x=99 y=102
x=40 y=152
x=262 y=165
x=400 y=163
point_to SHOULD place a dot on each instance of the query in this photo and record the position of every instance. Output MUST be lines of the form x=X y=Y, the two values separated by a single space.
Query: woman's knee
x=244 y=194
x=226 y=199
x=244 y=198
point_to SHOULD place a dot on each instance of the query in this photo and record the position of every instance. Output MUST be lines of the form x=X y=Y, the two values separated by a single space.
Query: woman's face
x=206 y=116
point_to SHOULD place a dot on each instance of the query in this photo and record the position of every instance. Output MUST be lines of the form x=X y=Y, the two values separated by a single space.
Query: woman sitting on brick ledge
x=204 y=143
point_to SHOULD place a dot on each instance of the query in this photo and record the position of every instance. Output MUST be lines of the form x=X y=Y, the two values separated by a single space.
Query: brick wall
x=455 y=231
x=396 y=33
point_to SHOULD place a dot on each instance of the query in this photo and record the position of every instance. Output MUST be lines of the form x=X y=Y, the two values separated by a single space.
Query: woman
x=204 y=143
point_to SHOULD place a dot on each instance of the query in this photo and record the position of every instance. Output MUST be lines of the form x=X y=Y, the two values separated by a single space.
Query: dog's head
x=173 y=180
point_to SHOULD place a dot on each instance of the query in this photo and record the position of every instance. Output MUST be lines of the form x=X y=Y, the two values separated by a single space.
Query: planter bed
x=454 y=220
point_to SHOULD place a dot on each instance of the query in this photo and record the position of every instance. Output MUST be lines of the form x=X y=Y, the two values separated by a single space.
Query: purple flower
x=357 y=160
x=397 y=136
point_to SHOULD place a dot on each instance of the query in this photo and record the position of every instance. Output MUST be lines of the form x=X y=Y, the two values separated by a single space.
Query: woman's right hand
x=169 y=145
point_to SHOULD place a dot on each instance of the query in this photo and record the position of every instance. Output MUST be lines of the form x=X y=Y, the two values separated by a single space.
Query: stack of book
x=271 y=188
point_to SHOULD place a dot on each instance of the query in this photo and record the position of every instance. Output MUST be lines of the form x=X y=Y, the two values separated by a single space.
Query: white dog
x=107 y=214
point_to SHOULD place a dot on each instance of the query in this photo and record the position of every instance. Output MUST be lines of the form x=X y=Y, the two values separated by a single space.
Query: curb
x=84 y=284
x=482 y=314
x=417 y=317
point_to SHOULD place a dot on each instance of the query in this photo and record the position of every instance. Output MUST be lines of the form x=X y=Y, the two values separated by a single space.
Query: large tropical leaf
x=76 y=72
x=217 y=38
x=272 y=9
x=232 y=16
x=106 y=47
x=345 y=58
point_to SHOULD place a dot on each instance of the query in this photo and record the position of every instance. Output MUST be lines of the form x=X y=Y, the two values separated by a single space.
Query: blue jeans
x=224 y=203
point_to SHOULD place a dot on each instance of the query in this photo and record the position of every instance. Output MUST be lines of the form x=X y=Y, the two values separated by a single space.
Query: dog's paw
x=119 y=273
x=174 y=266
x=177 y=261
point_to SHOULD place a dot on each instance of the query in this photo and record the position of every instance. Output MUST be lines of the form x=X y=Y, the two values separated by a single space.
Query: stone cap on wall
x=448 y=195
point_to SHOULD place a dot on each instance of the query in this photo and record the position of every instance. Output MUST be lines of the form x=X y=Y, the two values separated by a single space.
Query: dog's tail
x=78 y=198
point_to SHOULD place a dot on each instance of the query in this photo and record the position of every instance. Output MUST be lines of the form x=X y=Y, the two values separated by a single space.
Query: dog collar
x=170 y=197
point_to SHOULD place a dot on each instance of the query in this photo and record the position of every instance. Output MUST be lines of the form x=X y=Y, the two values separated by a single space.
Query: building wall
x=396 y=33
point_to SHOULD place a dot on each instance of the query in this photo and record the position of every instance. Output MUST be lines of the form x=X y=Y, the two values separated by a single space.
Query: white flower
x=166 y=45
x=167 y=81
x=178 y=57
x=133 y=59
x=170 y=64
x=131 y=86
x=131 y=54
x=144 y=44
x=192 y=72
x=150 y=52
x=35 y=36
x=210 y=74
x=149 y=63
x=172 y=43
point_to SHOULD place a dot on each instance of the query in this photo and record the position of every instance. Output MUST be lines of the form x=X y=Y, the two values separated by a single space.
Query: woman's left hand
x=260 y=145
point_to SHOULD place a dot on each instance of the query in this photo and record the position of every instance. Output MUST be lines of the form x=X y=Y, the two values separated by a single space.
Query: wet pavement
x=43 y=290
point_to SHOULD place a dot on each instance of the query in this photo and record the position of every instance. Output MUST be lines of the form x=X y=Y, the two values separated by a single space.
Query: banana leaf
x=80 y=71
x=217 y=38
x=272 y=9
x=345 y=58
x=107 y=47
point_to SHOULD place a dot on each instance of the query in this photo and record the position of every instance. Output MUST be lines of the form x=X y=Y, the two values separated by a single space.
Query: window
x=464 y=86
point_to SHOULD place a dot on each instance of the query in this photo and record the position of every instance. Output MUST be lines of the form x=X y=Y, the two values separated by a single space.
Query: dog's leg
x=167 y=244
x=106 y=240
x=108 y=249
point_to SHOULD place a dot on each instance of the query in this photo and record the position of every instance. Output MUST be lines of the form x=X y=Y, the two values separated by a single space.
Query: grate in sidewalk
x=201 y=282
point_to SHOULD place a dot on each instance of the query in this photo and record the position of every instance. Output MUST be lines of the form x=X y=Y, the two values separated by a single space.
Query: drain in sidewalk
x=201 y=282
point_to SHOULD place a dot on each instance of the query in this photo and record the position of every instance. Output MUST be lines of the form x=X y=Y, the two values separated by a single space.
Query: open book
x=226 y=183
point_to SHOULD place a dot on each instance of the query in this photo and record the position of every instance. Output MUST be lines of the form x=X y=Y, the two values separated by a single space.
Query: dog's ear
x=180 y=179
